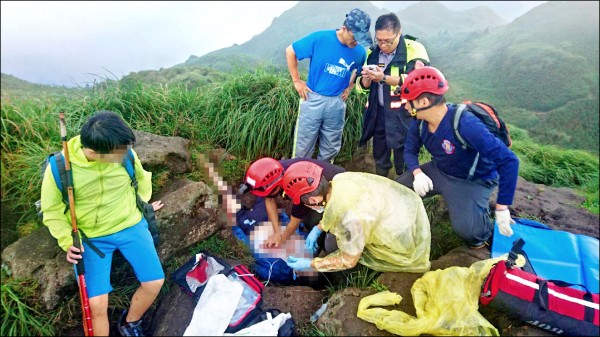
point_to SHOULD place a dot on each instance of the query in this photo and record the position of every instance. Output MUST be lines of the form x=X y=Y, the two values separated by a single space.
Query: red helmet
x=425 y=79
x=300 y=178
x=263 y=176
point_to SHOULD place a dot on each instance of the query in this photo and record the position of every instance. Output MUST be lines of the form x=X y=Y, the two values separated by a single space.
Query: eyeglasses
x=387 y=42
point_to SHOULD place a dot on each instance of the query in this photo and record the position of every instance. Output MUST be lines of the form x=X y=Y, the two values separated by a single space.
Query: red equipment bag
x=551 y=305
x=193 y=276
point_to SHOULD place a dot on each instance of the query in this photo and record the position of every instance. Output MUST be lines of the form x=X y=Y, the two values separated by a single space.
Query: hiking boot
x=130 y=328
x=382 y=172
x=478 y=246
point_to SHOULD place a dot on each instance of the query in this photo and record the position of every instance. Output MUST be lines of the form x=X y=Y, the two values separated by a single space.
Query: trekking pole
x=80 y=269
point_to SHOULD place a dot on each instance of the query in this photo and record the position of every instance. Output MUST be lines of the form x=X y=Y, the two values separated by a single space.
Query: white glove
x=503 y=220
x=422 y=184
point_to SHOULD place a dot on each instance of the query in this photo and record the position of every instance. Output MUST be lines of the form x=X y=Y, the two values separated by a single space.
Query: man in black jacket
x=386 y=120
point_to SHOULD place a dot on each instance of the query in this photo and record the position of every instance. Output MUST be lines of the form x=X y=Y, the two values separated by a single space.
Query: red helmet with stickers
x=263 y=176
x=300 y=178
x=425 y=79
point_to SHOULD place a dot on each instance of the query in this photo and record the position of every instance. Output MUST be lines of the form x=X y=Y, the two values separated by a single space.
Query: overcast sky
x=73 y=43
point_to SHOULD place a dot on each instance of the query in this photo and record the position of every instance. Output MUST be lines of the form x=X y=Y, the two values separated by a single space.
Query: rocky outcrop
x=159 y=151
x=189 y=216
x=38 y=256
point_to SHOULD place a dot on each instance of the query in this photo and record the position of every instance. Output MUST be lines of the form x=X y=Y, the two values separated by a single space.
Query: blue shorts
x=136 y=245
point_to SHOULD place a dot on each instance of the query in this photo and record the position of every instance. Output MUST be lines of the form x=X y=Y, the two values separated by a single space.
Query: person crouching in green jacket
x=106 y=213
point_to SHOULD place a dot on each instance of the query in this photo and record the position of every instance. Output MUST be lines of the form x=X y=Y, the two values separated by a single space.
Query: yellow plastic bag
x=446 y=303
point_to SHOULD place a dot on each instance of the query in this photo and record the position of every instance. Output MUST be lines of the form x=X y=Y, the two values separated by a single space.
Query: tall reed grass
x=251 y=115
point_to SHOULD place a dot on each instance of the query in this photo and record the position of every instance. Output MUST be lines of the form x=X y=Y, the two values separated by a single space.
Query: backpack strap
x=59 y=173
x=129 y=164
x=457 y=114
x=93 y=246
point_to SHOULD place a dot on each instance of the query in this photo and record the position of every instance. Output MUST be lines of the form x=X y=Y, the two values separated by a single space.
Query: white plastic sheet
x=268 y=327
x=215 y=307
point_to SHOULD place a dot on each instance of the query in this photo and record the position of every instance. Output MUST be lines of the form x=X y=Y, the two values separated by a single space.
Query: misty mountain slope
x=429 y=18
x=13 y=87
x=269 y=46
x=542 y=68
x=570 y=25
x=419 y=20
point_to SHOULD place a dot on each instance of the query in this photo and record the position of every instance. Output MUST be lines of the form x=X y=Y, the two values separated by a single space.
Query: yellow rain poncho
x=446 y=303
x=378 y=223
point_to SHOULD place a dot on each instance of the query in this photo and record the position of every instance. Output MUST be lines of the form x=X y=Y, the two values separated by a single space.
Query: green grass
x=358 y=277
x=22 y=315
x=310 y=329
x=591 y=192
x=552 y=166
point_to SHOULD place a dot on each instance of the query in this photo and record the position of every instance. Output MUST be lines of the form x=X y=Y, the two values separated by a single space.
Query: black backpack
x=490 y=118
x=488 y=115
x=56 y=161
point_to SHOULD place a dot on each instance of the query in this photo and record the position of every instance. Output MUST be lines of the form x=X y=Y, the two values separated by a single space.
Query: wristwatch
x=383 y=79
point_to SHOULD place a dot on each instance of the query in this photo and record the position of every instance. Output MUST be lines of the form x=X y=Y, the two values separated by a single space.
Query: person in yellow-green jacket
x=105 y=207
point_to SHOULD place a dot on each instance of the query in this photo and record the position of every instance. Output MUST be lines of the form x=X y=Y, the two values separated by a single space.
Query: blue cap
x=359 y=23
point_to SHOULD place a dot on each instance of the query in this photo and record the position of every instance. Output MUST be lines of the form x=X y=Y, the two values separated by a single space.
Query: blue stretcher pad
x=553 y=254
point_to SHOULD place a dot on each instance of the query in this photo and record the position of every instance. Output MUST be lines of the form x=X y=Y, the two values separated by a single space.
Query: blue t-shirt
x=495 y=159
x=331 y=62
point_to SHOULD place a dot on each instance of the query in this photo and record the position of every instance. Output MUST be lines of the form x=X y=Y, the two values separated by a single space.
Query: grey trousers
x=323 y=118
x=467 y=201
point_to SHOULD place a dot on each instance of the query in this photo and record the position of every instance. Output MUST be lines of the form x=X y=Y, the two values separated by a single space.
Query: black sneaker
x=130 y=328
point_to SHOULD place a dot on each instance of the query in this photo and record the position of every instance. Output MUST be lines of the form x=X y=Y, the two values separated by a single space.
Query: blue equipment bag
x=553 y=254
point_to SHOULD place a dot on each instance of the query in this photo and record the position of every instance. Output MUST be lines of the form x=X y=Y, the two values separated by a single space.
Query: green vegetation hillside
x=541 y=71
x=12 y=87
x=429 y=18
x=190 y=77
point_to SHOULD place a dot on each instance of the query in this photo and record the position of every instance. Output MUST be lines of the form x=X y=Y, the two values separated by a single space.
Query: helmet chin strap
x=413 y=111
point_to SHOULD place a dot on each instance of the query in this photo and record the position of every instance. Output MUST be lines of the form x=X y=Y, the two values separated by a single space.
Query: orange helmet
x=263 y=176
x=300 y=178
x=425 y=79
